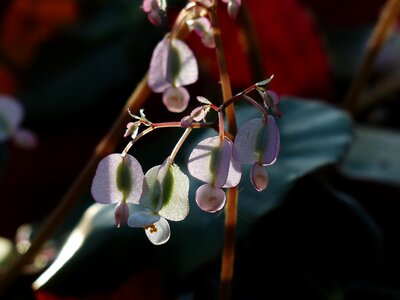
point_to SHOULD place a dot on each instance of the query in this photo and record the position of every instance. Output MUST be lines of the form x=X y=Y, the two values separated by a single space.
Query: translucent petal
x=209 y=161
x=256 y=141
x=176 y=99
x=182 y=66
x=158 y=67
x=234 y=173
x=209 y=198
x=142 y=218
x=11 y=114
x=271 y=143
x=172 y=64
x=118 y=178
x=159 y=232
x=175 y=185
x=259 y=177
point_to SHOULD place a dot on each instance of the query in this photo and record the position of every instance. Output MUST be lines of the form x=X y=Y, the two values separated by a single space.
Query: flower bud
x=121 y=213
x=186 y=121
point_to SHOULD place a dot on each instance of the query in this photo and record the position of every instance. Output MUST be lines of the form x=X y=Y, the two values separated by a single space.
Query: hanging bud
x=176 y=99
x=121 y=213
x=132 y=129
x=259 y=177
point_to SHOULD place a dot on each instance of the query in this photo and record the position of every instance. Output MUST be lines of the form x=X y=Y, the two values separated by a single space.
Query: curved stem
x=379 y=34
x=79 y=186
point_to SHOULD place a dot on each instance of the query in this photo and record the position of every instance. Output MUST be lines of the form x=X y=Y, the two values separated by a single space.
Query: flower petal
x=182 y=66
x=175 y=186
x=234 y=173
x=209 y=161
x=209 y=198
x=256 y=141
x=176 y=99
x=158 y=67
x=152 y=197
x=11 y=114
x=159 y=232
x=118 y=178
x=25 y=138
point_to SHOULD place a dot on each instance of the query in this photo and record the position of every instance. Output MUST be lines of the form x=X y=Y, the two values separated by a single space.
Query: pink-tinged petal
x=209 y=161
x=118 y=178
x=142 y=218
x=11 y=114
x=259 y=177
x=158 y=67
x=175 y=192
x=176 y=99
x=182 y=66
x=121 y=213
x=209 y=198
x=159 y=232
x=25 y=138
x=234 y=173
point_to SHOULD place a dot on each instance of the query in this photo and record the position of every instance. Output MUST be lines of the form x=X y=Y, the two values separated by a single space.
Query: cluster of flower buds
x=11 y=117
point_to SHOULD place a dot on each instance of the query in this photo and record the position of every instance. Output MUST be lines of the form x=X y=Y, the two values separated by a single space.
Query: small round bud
x=233 y=8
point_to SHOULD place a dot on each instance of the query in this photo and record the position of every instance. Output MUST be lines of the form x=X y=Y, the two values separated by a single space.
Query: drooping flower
x=165 y=197
x=257 y=142
x=211 y=161
x=174 y=65
x=11 y=116
x=118 y=179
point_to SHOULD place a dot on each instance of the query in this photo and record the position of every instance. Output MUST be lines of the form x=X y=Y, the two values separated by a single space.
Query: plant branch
x=378 y=36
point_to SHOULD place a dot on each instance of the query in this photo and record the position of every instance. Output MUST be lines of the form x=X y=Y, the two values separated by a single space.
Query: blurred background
x=331 y=234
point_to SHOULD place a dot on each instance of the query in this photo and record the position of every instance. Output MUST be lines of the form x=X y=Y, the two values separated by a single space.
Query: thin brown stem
x=378 y=36
x=228 y=254
x=79 y=186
